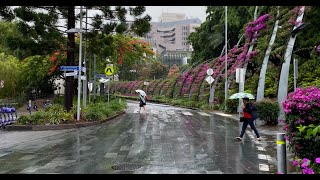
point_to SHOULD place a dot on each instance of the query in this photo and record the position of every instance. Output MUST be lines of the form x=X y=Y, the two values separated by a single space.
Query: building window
x=184 y=34
x=184 y=28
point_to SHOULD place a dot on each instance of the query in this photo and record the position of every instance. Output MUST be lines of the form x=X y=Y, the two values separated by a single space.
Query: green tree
x=42 y=36
x=35 y=74
x=9 y=74
x=8 y=31
x=208 y=39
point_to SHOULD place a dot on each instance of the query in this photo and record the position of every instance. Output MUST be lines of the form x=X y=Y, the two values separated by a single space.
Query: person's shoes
x=239 y=138
x=259 y=139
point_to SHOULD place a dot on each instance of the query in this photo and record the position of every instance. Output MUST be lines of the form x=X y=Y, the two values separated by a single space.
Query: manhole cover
x=126 y=166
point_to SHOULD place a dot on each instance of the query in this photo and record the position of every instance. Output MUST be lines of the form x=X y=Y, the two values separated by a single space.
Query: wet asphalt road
x=165 y=140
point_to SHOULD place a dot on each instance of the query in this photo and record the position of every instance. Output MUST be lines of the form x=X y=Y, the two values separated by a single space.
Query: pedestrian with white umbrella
x=142 y=98
x=249 y=113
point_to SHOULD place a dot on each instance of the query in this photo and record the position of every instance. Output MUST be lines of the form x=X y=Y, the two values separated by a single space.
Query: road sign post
x=210 y=80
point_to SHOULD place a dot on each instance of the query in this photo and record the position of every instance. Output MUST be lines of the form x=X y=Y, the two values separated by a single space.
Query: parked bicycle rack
x=8 y=115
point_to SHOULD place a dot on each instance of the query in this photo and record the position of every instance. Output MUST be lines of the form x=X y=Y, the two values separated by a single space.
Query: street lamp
x=75 y=30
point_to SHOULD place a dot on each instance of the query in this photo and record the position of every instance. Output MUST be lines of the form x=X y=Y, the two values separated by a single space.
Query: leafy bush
x=93 y=112
x=268 y=111
x=54 y=114
x=101 y=110
x=204 y=107
x=302 y=108
x=232 y=105
x=117 y=106
x=39 y=118
x=58 y=100
x=24 y=119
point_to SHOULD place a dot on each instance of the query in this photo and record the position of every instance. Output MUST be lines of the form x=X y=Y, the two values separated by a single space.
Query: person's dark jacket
x=251 y=108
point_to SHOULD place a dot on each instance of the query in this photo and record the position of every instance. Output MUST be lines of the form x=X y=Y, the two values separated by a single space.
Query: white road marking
x=203 y=114
x=263 y=167
x=262 y=156
x=187 y=113
x=223 y=114
x=260 y=148
x=171 y=112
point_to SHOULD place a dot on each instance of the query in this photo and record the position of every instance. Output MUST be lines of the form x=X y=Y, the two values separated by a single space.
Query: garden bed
x=59 y=126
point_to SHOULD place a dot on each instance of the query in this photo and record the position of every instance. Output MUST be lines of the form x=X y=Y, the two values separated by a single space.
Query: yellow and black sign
x=109 y=70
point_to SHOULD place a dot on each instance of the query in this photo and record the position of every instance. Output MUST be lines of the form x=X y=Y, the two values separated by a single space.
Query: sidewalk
x=269 y=136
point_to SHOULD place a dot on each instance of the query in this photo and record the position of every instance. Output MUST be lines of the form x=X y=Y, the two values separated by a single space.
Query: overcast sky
x=155 y=12
x=190 y=11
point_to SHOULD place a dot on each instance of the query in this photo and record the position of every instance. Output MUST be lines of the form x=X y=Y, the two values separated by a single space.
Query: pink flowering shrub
x=254 y=27
x=180 y=82
x=200 y=75
x=318 y=49
x=302 y=108
x=306 y=166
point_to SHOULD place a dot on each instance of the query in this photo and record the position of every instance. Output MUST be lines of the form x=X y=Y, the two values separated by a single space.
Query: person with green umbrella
x=249 y=115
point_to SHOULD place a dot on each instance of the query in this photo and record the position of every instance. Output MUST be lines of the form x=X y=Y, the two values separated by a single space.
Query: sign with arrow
x=109 y=71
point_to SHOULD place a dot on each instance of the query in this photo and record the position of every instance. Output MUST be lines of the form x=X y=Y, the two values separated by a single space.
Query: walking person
x=249 y=115
x=142 y=102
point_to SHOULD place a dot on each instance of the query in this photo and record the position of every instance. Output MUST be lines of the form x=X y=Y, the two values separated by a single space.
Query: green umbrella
x=241 y=95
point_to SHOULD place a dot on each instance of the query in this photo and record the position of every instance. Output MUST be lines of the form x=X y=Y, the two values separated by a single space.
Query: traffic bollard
x=281 y=153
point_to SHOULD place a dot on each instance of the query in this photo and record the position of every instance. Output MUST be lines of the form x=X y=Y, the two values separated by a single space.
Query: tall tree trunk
x=68 y=98
x=283 y=83
x=263 y=71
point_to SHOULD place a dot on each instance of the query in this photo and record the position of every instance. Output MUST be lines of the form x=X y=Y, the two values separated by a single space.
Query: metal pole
x=108 y=91
x=281 y=153
x=226 y=61
x=295 y=73
x=90 y=80
x=85 y=82
x=94 y=79
x=79 y=75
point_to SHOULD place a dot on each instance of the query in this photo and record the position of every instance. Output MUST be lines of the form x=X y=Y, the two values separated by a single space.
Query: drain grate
x=126 y=166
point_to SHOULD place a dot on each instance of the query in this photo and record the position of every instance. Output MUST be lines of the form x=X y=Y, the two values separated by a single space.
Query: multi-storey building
x=170 y=36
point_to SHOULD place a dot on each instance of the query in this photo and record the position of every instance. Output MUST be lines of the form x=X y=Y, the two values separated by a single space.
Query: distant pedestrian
x=142 y=102
x=249 y=115
x=35 y=107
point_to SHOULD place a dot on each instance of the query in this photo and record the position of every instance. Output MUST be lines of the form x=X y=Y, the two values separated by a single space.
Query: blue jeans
x=244 y=127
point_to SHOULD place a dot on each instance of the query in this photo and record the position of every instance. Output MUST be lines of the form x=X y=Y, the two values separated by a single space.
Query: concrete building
x=170 y=36
x=168 y=17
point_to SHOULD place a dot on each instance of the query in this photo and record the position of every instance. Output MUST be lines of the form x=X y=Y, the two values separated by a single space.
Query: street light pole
x=226 y=62
x=85 y=82
x=79 y=75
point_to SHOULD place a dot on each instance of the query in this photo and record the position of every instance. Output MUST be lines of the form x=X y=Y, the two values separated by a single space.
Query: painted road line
x=263 y=167
x=203 y=114
x=170 y=112
x=223 y=114
x=262 y=156
x=261 y=148
x=187 y=113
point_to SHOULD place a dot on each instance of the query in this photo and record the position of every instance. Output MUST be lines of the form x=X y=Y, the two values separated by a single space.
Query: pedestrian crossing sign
x=109 y=70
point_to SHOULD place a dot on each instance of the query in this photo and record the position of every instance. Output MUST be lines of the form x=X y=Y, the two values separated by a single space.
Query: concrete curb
x=58 y=126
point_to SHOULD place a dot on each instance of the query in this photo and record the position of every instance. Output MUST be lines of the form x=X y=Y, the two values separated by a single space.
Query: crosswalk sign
x=109 y=70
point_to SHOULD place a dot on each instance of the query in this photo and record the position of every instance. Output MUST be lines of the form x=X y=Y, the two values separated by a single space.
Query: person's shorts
x=142 y=104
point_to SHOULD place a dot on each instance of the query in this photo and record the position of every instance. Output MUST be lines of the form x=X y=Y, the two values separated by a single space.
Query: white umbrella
x=141 y=92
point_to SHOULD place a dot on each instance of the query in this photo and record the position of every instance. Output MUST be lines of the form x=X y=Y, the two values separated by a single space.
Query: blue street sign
x=69 y=68
x=100 y=75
